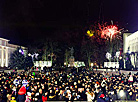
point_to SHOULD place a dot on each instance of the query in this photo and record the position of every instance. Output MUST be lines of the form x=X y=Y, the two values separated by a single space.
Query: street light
x=21 y=51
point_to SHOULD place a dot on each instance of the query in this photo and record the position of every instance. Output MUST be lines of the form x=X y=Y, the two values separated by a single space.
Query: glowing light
x=90 y=33
x=21 y=51
x=92 y=64
x=64 y=63
x=122 y=93
x=109 y=31
x=36 y=55
x=117 y=54
x=32 y=56
x=108 y=55
x=29 y=54
x=120 y=57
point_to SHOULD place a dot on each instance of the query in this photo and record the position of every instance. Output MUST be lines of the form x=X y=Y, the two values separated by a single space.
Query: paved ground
x=96 y=71
x=115 y=72
x=7 y=71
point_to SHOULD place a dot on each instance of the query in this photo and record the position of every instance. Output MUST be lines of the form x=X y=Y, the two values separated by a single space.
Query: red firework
x=106 y=32
x=109 y=31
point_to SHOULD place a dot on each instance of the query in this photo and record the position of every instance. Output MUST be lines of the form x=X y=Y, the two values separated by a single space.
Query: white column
x=6 y=60
x=2 y=56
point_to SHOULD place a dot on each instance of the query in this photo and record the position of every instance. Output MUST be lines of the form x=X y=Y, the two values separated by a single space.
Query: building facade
x=6 y=49
x=130 y=43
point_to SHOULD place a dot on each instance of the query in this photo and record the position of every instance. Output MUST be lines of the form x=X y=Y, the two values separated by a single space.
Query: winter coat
x=44 y=98
x=100 y=100
x=89 y=97
x=21 y=98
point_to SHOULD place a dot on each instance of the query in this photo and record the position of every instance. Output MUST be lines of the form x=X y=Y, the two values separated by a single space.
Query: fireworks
x=109 y=31
x=104 y=31
x=90 y=33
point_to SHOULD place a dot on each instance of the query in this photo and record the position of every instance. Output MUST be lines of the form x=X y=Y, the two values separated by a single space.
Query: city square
x=54 y=51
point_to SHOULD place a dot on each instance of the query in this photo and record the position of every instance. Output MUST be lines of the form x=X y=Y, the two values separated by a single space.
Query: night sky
x=26 y=21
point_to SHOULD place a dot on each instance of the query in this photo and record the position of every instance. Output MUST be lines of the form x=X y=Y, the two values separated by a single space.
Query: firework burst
x=110 y=32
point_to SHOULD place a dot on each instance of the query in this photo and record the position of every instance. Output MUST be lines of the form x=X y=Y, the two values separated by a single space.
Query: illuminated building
x=130 y=43
x=6 y=49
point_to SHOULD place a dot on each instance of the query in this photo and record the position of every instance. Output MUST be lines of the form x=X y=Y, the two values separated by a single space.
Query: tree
x=67 y=54
x=50 y=50
x=46 y=52
x=94 y=45
x=29 y=62
x=88 y=50
x=17 y=59
x=53 y=49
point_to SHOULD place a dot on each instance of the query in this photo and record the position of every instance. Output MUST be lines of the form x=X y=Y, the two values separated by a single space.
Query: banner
x=111 y=64
x=43 y=63
x=79 y=64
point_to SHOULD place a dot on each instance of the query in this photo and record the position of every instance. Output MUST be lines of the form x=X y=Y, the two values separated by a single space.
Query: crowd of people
x=28 y=86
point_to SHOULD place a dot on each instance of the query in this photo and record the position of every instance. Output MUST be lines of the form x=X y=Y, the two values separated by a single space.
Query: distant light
x=120 y=57
x=21 y=51
x=117 y=54
x=91 y=64
x=129 y=52
x=29 y=54
x=36 y=55
x=64 y=63
x=108 y=55
x=90 y=33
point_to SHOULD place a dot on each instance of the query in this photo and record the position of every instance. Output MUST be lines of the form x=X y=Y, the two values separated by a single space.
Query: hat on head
x=28 y=93
x=102 y=96
x=97 y=83
x=13 y=98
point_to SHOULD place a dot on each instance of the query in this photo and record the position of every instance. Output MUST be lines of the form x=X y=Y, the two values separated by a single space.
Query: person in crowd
x=90 y=95
x=67 y=86
x=101 y=98
x=28 y=97
x=44 y=97
x=13 y=99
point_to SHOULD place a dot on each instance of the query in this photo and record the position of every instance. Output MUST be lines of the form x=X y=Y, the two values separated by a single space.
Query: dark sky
x=26 y=21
